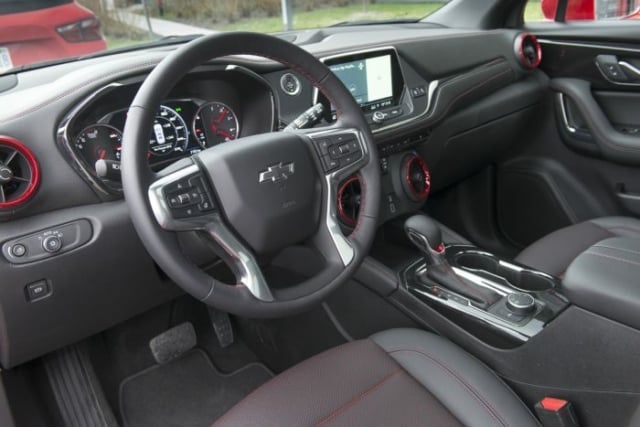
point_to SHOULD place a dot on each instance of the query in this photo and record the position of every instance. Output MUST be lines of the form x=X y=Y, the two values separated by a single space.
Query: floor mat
x=187 y=392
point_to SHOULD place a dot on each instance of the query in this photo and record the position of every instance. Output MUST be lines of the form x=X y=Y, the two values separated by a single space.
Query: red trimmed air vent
x=417 y=178
x=528 y=50
x=19 y=173
x=349 y=198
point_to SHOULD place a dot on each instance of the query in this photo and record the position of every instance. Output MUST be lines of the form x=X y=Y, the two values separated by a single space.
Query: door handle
x=631 y=68
x=618 y=71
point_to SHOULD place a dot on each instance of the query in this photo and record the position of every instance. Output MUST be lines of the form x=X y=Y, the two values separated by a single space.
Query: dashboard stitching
x=35 y=108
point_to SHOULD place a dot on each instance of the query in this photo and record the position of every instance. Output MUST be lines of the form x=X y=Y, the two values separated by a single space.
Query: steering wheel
x=257 y=195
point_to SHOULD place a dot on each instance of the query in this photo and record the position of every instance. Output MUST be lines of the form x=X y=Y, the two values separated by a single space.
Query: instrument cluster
x=181 y=127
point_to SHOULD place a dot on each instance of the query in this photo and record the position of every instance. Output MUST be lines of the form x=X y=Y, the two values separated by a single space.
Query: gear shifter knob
x=425 y=233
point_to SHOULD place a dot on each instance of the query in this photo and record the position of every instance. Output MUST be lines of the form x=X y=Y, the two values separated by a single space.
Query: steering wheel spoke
x=240 y=259
x=182 y=201
x=340 y=152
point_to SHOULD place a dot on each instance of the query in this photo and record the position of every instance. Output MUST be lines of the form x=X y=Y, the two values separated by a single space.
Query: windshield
x=33 y=31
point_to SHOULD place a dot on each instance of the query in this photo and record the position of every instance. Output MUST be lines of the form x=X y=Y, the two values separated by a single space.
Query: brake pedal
x=222 y=326
x=173 y=343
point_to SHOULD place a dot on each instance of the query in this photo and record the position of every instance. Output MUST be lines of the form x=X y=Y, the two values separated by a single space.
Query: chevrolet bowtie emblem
x=277 y=172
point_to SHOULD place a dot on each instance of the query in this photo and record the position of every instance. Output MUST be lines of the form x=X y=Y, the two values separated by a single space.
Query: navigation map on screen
x=369 y=80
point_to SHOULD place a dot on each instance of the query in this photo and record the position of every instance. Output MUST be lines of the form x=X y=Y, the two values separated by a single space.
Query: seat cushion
x=553 y=253
x=401 y=377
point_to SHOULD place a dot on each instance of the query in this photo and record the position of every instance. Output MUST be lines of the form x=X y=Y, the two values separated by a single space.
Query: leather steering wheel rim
x=163 y=245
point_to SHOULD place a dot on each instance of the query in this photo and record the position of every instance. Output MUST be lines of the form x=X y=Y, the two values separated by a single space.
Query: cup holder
x=518 y=277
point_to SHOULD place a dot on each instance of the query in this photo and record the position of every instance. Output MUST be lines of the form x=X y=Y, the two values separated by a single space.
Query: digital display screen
x=373 y=78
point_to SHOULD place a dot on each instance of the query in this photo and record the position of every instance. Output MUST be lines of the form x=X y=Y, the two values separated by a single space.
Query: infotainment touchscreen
x=373 y=78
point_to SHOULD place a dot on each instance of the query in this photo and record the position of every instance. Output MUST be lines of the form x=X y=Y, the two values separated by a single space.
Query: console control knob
x=51 y=244
x=378 y=117
x=521 y=303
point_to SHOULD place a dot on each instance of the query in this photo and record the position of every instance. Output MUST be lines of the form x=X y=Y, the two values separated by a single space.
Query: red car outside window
x=41 y=30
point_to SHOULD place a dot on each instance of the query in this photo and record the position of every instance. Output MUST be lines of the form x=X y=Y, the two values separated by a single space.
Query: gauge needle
x=225 y=134
x=102 y=153
x=222 y=115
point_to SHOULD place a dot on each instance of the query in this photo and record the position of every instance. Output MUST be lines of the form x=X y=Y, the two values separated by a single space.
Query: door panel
x=581 y=158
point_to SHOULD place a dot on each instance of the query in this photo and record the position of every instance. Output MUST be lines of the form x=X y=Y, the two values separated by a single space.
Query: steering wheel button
x=323 y=146
x=334 y=152
x=205 y=206
x=329 y=163
x=184 y=199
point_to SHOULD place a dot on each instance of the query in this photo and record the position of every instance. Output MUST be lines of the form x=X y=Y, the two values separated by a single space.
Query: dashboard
x=436 y=116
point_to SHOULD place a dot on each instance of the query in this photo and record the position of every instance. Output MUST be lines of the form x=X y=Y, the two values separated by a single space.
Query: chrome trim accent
x=244 y=264
x=277 y=172
x=590 y=46
x=332 y=181
x=66 y=145
x=563 y=113
x=630 y=68
x=521 y=332
x=617 y=83
x=298 y=88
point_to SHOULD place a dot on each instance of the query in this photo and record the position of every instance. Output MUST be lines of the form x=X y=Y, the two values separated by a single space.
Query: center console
x=463 y=281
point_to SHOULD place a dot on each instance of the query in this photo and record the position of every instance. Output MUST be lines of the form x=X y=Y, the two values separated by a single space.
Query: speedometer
x=169 y=133
x=214 y=123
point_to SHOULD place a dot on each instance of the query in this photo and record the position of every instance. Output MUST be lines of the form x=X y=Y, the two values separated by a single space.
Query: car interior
x=425 y=223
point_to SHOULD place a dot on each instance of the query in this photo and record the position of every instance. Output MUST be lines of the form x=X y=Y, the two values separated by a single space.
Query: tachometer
x=169 y=133
x=214 y=123
x=98 y=142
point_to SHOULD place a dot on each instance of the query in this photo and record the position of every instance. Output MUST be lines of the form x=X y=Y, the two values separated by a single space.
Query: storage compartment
x=518 y=277
x=604 y=280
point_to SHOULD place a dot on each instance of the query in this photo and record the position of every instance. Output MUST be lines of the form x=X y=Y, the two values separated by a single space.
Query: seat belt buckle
x=554 y=412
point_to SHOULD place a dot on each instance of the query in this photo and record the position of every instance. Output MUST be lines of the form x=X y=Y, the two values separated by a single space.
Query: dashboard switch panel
x=47 y=243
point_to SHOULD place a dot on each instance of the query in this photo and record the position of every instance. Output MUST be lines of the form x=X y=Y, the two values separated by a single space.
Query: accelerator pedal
x=222 y=326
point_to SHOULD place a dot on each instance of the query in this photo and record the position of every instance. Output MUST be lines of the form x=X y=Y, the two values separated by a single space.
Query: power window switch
x=37 y=290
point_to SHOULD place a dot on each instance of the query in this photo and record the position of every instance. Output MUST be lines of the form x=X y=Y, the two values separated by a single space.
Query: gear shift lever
x=427 y=236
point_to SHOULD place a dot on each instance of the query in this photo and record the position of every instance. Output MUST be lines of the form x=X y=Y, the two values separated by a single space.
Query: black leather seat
x=401 y=377
x=554 y=252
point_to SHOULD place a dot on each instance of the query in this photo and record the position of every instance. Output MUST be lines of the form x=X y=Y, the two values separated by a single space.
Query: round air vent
x=349 y=198
x=528 y=50
x=417 y=178
x=19 y=173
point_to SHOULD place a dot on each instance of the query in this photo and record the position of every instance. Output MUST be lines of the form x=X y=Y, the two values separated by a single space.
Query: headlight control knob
x=52 y=244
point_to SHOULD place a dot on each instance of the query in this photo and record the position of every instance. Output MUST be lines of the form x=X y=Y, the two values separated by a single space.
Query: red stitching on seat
x=357 y=398
x=492 y=411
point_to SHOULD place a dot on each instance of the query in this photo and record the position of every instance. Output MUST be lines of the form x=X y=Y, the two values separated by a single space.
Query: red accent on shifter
x=440 y=248
x=553 y=404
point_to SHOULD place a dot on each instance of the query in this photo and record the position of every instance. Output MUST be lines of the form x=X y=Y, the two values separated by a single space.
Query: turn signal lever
x=425 y=233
